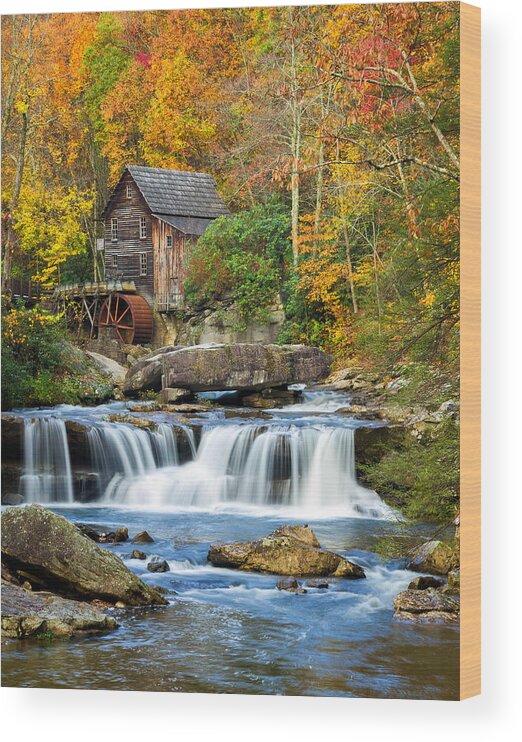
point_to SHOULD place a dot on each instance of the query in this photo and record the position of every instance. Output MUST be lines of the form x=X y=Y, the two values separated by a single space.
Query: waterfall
x=269 y=464
x=122 y=452
x=47 y=473
x=117 y=452
x=310 y=468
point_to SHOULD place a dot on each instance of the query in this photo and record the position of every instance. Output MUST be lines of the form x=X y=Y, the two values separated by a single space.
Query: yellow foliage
x=50 y=225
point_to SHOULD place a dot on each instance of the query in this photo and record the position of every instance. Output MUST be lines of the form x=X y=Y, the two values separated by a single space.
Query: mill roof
x=178 y=192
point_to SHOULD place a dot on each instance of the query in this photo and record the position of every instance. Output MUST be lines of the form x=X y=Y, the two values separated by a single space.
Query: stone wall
x=217 y=326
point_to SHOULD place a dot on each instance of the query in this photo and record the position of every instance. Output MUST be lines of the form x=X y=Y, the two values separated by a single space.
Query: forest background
x=333 y=135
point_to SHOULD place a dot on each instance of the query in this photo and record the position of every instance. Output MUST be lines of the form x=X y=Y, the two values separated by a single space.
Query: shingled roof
x=186 y=224
x=178 y=193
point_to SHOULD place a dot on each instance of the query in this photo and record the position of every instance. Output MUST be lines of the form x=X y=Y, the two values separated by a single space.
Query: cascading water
x=47 y=473
x=123 y=452
x=291 y=460
x=310 y=468
x=116 y=451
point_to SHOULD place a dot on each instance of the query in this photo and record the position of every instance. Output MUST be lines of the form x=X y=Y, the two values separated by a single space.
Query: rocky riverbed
x=235 y=630
x=187 y=548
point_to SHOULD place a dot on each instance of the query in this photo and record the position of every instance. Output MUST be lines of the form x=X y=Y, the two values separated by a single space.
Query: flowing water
x=225 y=478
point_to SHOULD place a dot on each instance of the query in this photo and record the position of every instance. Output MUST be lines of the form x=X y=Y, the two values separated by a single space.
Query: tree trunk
x=296 y=151
x=350 y=268
x=17 y=187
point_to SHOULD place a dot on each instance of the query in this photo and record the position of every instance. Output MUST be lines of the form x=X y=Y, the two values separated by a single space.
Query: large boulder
x=434 y=557
x=146 y=373
x=49 y=551
x=429 y=605
x=284 y=553
x=114 y=370
x=28 y=615
x=242 y=366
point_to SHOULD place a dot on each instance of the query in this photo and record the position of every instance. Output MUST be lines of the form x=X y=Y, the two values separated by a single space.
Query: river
x=223 y=478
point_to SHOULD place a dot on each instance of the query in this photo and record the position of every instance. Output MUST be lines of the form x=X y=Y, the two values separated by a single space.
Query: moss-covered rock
x=429 y=605
x=435 y=557
x=54 y=553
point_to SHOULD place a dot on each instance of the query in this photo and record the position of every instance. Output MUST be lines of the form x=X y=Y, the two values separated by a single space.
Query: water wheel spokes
x=129 y=316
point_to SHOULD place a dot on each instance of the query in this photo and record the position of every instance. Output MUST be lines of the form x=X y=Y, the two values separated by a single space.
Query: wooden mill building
x=151 y=221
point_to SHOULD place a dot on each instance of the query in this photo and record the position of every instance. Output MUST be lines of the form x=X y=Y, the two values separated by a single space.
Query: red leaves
x=144 y=59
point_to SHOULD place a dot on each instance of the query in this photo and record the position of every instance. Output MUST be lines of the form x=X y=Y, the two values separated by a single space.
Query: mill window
x=129 y=191
x=114 y=230
x=169 y=240
x=114 y=261
x=143 y=263
x=143 y=228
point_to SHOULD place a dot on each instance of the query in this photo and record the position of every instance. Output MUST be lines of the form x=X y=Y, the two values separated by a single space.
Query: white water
x=47 y=474
x=310 y=468
x=117 y=451
x=292 y=462
x=323 y=402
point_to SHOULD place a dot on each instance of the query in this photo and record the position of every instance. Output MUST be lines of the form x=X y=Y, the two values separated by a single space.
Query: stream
x=224 y=478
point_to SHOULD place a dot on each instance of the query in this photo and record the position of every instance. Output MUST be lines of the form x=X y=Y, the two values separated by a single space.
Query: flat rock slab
x=52 y=553
x=237 y=366
x=31 y=615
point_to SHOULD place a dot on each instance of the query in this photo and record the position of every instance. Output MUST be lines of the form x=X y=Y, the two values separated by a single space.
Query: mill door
x=175 y=291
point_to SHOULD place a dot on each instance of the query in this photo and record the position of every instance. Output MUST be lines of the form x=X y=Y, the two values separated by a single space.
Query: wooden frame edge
x=470 y=455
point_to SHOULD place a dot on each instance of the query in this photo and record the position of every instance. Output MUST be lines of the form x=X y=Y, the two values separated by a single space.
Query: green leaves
x=422 y=477
x=242 y=258
x=104 y=60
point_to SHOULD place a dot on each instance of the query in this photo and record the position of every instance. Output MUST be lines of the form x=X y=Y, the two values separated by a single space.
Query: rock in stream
x=290 y=550
x=27 y=615
x=50 y=552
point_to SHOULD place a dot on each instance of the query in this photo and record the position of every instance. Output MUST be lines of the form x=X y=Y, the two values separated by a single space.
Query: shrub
x=16 y=380
x=37 y=359
x=35 y=338
x=241 y=258
x=422 y=477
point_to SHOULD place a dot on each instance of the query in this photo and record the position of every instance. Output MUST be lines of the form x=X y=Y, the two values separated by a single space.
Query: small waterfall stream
x=258 y=465
x=123 y=452
x=291 y=460
x=47 y=475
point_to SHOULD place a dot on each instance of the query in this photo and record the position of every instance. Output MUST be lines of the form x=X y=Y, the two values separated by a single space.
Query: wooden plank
x=129 y=245
x=470 y=665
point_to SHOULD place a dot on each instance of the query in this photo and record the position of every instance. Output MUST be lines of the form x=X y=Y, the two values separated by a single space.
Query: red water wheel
x=129 y=316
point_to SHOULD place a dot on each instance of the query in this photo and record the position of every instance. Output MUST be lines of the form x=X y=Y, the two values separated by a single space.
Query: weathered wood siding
x=129 y=245
x=170 y=264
